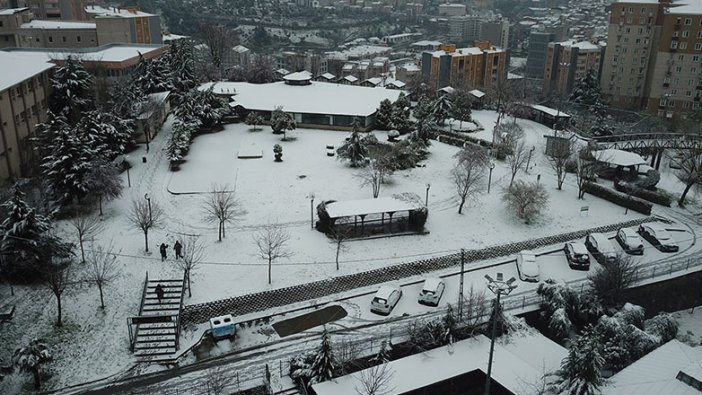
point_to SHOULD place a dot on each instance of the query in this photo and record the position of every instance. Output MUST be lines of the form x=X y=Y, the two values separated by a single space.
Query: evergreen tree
x=104 y=182
x=354 y=150
x=182 y=68
x=383 y=115
x=423 y=109
x=581 y=370
x=441 y=109
x=31 y=357
x=403 y=104
x=324 y=362
x=152 y=76
x=22 y=231
x=281 y=122
x=210 y=109
x=105 y=133
x=126 y=100
x=461 y=107
x=71 y=90
x=587 y=90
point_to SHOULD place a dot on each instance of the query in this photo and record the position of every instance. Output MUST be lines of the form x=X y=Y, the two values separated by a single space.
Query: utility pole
x=460 y=287
x=498 y=287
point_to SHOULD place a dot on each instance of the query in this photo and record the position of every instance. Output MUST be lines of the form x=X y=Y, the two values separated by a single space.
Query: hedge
x=651 y=196
x=619 y=198
x=458 y=139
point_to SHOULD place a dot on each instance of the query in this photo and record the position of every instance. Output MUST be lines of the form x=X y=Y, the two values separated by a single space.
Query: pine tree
x=71 y=90
x=403 y=104
x=126 y=99
x=324 y=362
x=105 y=133
x=152 y=76
x=209 y=109
x=22 y=231
x=441 y=109
x=383 y=115
x=282 y=121
x=423 y=109
x=587 y=90
x=581 y=370
x=354 y=150
x=182 y=68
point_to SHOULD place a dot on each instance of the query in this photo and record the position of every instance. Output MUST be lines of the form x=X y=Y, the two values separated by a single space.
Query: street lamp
x=426 y=198
x=492 y=166
x=529 y=159
x=148 y=199
x=499 y=287
x=312 y=210
x=129 y=180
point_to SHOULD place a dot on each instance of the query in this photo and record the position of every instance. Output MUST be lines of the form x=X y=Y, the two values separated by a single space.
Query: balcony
x=665 y=84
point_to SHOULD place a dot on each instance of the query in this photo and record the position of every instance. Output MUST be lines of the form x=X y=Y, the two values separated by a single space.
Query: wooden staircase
x=157 y=328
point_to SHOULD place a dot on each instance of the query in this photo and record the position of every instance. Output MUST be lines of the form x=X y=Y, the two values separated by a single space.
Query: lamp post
x=312 y=210
x=492 y=166
x=129 y=180
x=426 y=198
x=148 y=199
x=529 y=159
x=499 y=287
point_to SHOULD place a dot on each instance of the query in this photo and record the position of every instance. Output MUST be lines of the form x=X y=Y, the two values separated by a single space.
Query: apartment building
x=10 y=21
x=482 y=66
x=24 y=91
x=568 y=61
x=125 y=25
x=57 y=34
x=71 y=10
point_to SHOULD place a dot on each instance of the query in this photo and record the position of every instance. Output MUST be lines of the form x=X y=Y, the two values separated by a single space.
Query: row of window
x=643 y=10
x=687 y=21
x=686 y=33
x=685 y=104
x=683 y=45
x=642 y=20
x=34 y=110
x=24 y=88
x=676 y=81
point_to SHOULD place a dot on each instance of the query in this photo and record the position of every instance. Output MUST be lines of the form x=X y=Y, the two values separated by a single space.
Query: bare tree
x=87 y=227
x=217 y=381
x=272 y=244
x=612 y=278
x=376 y=174
x=145 y=215
x=193 y=252
x=469 y=172
x=221 y=206
x=376 y=380
x=558 y=161
x=56 y=276
x=586 y=170
x=339 y=237
x=526 y=199
x=219 y=40
x=103 y=268
x=105 y=182
x=690 y=172
x=517 y=159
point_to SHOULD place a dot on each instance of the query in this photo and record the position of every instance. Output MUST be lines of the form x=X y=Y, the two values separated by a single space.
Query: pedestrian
x=178 y=249
x=159 y=292
x=164 y=250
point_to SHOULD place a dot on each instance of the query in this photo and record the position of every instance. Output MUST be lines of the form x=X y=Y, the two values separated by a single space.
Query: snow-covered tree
x=253 y=119
x=31 y=357
x=581 y=369
x=56 y=269
x=222 y=207
x=689 y=172
x=103 y=268
x=611 y=279
x=587 y=90
x=106 y=134
x=21 y=246
x=104 y=182
x=86 y=227
x=272 y=243
x=145 y=215
x=182 y=68
x=71 y=90
x=424 y=109
x=126 y=100
x=324 y=362
x=461 y=103
x=281 y=122
x=354 y=150
x=383 y=115
x=210 y=108
x=152 y=75
x=376 y=174
x=664 y=326
x=260 y=71
x=441 y=109
x=469 y=171
x=403 y=103
x=193 y=251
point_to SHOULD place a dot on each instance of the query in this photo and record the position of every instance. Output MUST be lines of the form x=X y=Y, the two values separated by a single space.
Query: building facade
x=70 y=10
x=125 y=25
x=10 y=21
x=568 y=61
x=24 y=91
x=57 y=34
x=482 y=67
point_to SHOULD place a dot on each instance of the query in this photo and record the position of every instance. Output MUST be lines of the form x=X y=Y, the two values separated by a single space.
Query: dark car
x=630 y=241
x=600 y=247
x=577 y=256
x=658 y=237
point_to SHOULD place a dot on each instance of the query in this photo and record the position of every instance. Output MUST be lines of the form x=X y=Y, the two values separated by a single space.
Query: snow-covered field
x=94 y=344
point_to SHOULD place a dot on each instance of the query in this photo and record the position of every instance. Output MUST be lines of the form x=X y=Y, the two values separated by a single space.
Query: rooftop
x=17 y=68
x=12 y=11
x=114 y=11
x=315 y=98
x=347 y=208
x=42 y=24
x=107 y=53
x=619 y=158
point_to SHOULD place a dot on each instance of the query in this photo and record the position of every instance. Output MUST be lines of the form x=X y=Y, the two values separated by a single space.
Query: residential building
x=10 y=21
x=125 y=25
x=452 y=9
x=57 y=34
x=539 y=38
x=464 y=28
x=70 y=10
x=482 y=67
x=496 y=32
x=24 y=91
x=566 y=62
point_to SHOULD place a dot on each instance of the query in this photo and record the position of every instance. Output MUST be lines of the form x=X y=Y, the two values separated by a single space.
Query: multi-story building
x=125 y=25
x=482 y=67
x=24 y=90
x=57 y=34
x=566 y=62
x=496 y=32
x=539 y=38
x=452 y=9
x=72 y=10
x=464 y=28
x=10 y=21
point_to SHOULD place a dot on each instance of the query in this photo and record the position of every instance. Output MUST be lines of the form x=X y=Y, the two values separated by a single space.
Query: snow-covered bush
x=526 y=199
x=631 y=314
x=664 y=326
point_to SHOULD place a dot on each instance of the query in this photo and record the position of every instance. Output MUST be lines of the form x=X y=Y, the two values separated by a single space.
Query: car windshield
x=427 y=292
x=379 y=301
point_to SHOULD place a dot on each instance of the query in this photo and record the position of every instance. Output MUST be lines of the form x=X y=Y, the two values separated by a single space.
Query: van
x=385 y=299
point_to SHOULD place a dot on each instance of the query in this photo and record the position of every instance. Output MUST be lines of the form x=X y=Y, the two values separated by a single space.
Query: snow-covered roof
x=173 y=37
x=349 y=208
x=328 y=76
x=584 y=45
x=550 y=111
x=315 y=98
x=375 y=80
x=113 y=11
x=114 y=52
x=410 y=67
x=350 y=78
x=426 y=43
x=42 y=24
x=514 y=372
x=447 y=89
x=219 y=88
x=656 y=372
x=240 y=49
x=618 y=157
x=282 y=71
x=303 y=75
x=395 y=83
x=477 y=93
x=17 y=68
x=12 y=11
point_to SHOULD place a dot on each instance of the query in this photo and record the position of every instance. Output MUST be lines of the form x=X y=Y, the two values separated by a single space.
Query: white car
x=657 y=235
x=600 y=247
x=527 y=266
x=630 y=241
x=385 y=299
x=431 y=292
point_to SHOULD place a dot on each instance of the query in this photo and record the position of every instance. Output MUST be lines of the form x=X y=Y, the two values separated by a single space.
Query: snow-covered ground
x=690 y=321
x=94 y=344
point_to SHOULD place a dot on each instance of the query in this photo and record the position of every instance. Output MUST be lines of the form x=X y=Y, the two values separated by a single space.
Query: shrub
x=611 y=279
x=526 y=199
x=417 y=218
x=618 y=198
x=651 y=196
x=325 y=222
x=663 y=326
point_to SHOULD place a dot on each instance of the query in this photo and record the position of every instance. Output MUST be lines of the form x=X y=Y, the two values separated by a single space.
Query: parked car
x=600 y=247
x=385 y=299
x=630 y=241
x=527 y=267
x=577 y=256
x=431 y=292
x=659 y=237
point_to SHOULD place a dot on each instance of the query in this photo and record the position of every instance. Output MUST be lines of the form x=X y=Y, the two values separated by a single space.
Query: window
x=683 y=45
x=693 y=70
x=678 y=69
x=681 y=57
x=644 y=10
x=676 y=33
x=629 y=20
x=686 y=33
x=673 y=92
x=631 y=9
x=690 y=82
x=78 y=38
x=699 y=34
x=642 y=20
x=686 y=104
x=698 y=47
x=63 y=38
x=676 y=81
x=671 y=103
x=688 y=21
x=688 y=93
x=673 y=45
x=51 y=39
x=696 y=58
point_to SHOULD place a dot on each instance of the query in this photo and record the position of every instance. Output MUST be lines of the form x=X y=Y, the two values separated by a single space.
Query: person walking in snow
x=164 y=250
x=159 y=292
x=178 y=249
